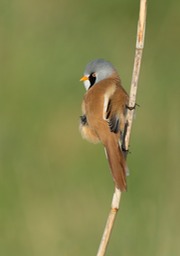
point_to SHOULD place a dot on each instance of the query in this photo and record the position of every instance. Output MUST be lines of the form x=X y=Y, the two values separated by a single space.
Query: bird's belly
x=89 y=134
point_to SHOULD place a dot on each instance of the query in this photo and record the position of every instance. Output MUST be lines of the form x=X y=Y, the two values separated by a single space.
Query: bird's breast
x=93 y=103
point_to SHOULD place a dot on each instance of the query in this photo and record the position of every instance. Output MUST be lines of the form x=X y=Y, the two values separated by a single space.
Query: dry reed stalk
x=129 y=120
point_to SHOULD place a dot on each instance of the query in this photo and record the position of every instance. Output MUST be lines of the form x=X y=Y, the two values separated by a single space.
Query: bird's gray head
x=96 y=71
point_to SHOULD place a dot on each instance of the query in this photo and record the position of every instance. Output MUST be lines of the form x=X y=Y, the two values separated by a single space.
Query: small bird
x=104 y=109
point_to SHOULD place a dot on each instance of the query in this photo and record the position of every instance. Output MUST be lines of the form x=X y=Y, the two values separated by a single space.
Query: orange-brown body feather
x=94 y=107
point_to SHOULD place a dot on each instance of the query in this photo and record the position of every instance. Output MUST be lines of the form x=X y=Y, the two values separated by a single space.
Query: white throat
x=87 y=84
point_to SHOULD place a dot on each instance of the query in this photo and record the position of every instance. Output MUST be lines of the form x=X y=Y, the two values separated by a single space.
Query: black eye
x=92 y=79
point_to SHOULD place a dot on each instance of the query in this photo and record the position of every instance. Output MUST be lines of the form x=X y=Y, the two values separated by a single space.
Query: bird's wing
x=110 y=115
x=112 y=119
x=115 y=101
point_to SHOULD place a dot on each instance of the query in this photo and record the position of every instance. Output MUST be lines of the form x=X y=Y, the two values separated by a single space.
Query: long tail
x=117 y=163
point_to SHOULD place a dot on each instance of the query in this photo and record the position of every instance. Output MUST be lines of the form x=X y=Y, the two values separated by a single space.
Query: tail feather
x=117 y=163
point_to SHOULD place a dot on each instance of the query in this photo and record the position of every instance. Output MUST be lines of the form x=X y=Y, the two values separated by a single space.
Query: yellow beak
x=84 y=78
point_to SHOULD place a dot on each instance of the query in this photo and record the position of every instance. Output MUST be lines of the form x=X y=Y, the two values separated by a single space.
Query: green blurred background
x=55 y=188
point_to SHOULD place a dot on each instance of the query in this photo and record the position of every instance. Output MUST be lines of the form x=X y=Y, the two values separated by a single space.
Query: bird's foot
x=133 y=107
x=83 y=120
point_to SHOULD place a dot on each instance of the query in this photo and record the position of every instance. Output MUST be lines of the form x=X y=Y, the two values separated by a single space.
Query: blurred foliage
x=56 y=189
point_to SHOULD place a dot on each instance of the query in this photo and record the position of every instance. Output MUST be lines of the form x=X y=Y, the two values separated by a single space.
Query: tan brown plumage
x=104 y=108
